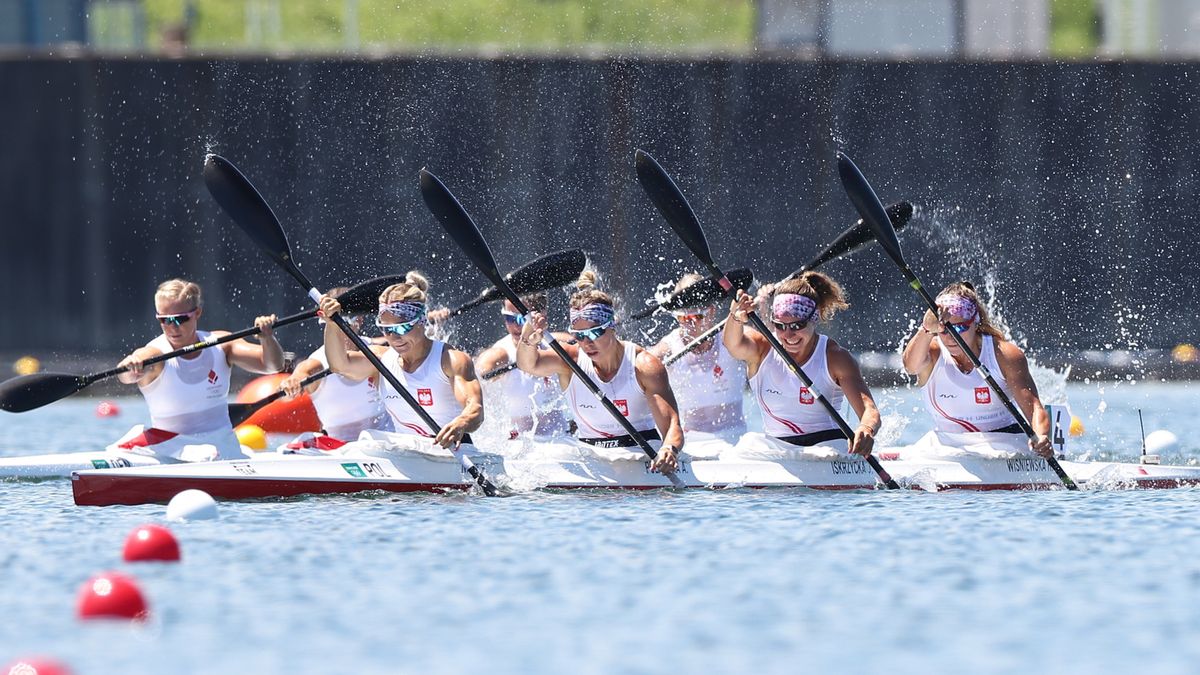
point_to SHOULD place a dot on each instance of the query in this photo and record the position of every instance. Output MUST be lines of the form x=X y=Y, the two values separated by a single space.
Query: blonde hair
x=179 y=289
x=967 y=290
x=821 y=288
x=411 y=290
x=587 y=293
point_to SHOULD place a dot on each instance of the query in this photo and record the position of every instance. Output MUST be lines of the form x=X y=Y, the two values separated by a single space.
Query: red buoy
x=279 y=417
x=151 y=543
x=35 y=666
x=107 y=409
x=111 y=595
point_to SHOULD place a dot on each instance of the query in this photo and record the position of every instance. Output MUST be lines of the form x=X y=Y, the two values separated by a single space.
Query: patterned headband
x=404 y=311
x=958 y=306
x=597 y=313
x=801 y=307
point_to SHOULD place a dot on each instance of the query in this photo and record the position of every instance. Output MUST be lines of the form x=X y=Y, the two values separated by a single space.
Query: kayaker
x=188 y=395
x=958 y=399
x=791 y=412
x=440 y=378
x=534 y=404
x=708 y=381
x=345 y=406
x=631 y=377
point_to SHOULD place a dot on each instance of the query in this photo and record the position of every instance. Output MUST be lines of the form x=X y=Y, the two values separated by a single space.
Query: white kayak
x=377 y=466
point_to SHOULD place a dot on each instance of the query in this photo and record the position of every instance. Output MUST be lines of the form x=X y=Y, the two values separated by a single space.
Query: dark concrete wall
x=1069 y=186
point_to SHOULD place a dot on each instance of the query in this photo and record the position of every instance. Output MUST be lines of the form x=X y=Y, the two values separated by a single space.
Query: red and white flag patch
x=622 y=405
x=212 y=377
x=983 y=395
x=425 y=397
x=806 y=396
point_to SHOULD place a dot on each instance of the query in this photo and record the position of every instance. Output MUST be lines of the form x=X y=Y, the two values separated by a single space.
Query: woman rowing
x=957 y=397
x=628 y=375
x=534 y=404
x=791 y=412
x=441 y=379
x=708 y=380
x=345 y=406
x=188 y=395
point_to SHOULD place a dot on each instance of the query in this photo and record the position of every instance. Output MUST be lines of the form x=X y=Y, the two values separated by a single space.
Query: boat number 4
x=1060 y=422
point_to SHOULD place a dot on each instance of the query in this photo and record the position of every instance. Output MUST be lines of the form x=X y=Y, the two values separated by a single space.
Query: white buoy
x=1160 y=442
x=192 y=505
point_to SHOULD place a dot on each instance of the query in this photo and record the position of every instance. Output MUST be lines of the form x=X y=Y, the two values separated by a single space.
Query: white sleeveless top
x=347 y=407
x=534 y=404
x=963 y=402
x=789 y=408
x=429 y=385
x=623 y=390
x=189 y=396
x=708 y=386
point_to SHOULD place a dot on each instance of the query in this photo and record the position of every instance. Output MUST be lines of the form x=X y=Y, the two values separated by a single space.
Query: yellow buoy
x=26 y=365
x=252 y=437
x=1185 y=353
x=1076 y=426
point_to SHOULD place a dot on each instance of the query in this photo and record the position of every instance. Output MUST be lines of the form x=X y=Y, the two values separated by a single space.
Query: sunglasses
x=689 y=318
x=961 y=328
x=513 y=318
x=398 y=329
x=175 y=319
x=591 y=334
x=793 y=325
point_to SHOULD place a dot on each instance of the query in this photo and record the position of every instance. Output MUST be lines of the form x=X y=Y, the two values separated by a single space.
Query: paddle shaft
x=498 y=371
x=245 y=410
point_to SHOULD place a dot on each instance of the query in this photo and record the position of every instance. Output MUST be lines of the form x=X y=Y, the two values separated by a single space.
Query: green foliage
x=509 y=25
x=1074 y=28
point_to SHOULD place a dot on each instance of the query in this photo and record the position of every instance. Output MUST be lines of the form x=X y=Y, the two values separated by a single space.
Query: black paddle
x=867 y=203
x=28 y=392
x=464 y=232
x=251 y=213
x=552 y=270
x=240 y=412
x=847 y=242
x=703 y=292
x=671 y=203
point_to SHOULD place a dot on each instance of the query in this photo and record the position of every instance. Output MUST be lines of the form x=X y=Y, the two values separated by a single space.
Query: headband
x=799 y=306
x=958 y=306
x=596 y=312
x=406 y=312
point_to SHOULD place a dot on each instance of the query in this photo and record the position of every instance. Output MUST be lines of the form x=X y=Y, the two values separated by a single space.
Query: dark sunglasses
x=175 y=319
x=591 y=334
x=516 y=319
x=961 y=328
x=794 y=325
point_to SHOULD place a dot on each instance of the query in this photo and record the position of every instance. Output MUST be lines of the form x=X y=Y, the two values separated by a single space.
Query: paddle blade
x=460 y=227
x=240 y=412
x=707 y=290
x=867 y=203
x=364 y=297
x=671 y=203
x=243 y=203
x=553 y=270
x=21 y=394
x=858 y=234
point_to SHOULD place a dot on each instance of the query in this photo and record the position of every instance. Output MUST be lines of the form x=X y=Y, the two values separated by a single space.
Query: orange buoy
x=111 y=596
x=151 y=543
x=282 y=416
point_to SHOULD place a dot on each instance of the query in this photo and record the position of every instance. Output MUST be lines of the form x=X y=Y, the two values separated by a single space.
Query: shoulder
x=380 y=350
x=647 y=363
x=838 y=356
x=492 y=357
x=1008 y=352
x=459 y=362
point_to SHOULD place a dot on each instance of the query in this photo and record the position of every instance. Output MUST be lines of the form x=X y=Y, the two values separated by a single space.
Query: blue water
x=763 y=581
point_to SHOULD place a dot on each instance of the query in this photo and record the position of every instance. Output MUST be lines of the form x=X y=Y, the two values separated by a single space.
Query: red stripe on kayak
x=147 y=438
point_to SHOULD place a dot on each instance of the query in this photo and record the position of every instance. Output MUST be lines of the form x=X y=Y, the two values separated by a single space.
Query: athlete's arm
x=307 y=368
x=844 y=370
x=1015 y=368
x=652 y=378
x=264 y=357
x=137 y=374
x=743 y=345
x=535 y=361
x=921 y=351
x=458 y=367
x=341 y=360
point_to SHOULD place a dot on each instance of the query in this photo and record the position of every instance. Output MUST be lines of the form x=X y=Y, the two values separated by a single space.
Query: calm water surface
x=774 y=581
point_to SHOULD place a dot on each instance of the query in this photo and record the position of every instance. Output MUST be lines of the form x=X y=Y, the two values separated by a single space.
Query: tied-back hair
x=821 y=288
x=412 y=289
x=179 y=289
x=587 y=293
x=967 y=290
x=687 y=280
x=536 y=302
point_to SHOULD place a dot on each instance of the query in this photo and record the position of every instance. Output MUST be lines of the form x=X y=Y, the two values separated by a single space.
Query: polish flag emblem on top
x=622 y=405
x=983 y=395
x=425 y=397
x=212 y=377
x=806 y=396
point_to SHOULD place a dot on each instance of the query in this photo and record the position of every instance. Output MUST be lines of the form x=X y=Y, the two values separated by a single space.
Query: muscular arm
x=743 y=345
x=652 y=377
x=343 y=362
x=458 y=367
x=264 y=357
x=844 y=370
x=541 y=362
x=491 y=359
x=140 y=376
x=1015 y=368
x=921 y=352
